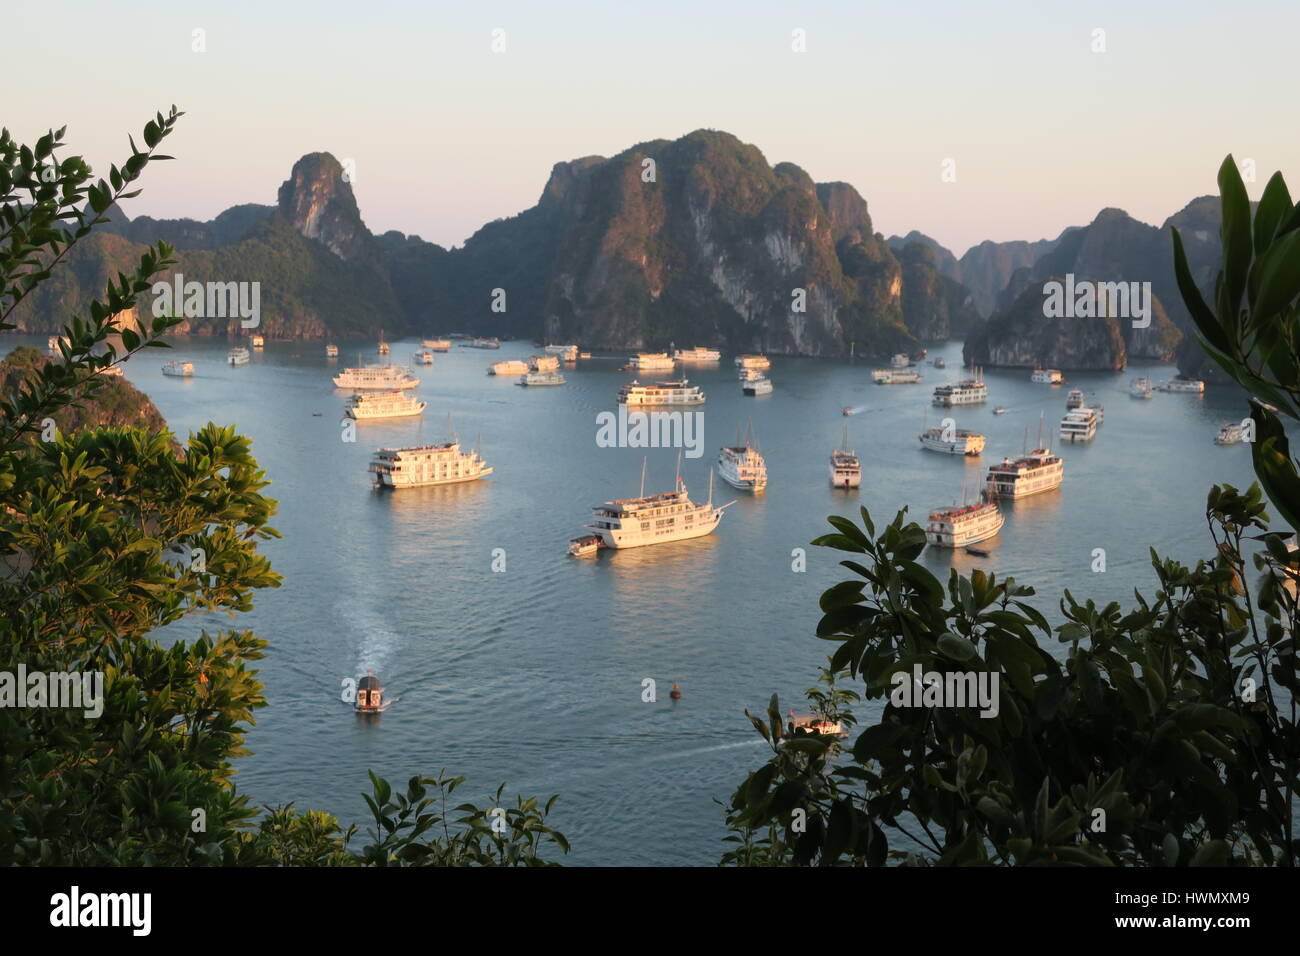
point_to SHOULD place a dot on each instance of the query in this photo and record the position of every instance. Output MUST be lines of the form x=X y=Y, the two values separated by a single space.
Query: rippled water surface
x=534 y=674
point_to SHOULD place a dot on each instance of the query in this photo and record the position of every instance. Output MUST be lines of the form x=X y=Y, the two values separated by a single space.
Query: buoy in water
x=369 y=695
x=676 y=692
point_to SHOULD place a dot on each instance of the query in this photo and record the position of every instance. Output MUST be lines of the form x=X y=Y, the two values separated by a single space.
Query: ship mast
x=643 y=462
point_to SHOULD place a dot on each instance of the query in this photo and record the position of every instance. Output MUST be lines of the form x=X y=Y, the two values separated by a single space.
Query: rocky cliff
x=1024 y=337
x=320 y=272
x=115 y=402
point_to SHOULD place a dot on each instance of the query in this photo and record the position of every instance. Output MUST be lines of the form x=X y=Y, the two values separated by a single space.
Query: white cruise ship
x=511 y=367
x=971 y=391
x=567 y=353
x=1079 y=424
x=541 y=378
x=661 y=393
x=1141 y=388
x=697 y=355
x=957 y=527
x=380 y=378
x=651 y=361
x=1047 y=376
x=331 y=350
x=423 y=465
x=257 y=341
x=741 y=466
x=846 y=468
x=480 y=343
x=655 y=519
x=900 y=361
x=436 y=345
x=956 y=442
x=1030 y=474
x=760 y=362
x=544 y=363
x=759 y=385
x=895 y=376
x=1074 y=399
x=1180 y=384
x=238 y=356
x=395 y=404
x=179 y=369
x=423 y=357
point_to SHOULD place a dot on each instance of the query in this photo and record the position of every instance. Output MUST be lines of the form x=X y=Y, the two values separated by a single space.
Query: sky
x=1039 y=119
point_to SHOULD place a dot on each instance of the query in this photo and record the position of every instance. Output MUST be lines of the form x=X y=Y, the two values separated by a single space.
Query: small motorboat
x=370 y=696
x=815 y=724
x=847 y=411
x=586 y=545
x=676 y=692
x=999 y=410
x=978 y=552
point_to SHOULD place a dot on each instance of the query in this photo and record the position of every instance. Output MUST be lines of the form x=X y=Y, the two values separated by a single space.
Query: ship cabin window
x=361 y=698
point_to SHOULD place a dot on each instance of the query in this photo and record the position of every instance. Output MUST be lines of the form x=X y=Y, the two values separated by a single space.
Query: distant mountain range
x=697 y=241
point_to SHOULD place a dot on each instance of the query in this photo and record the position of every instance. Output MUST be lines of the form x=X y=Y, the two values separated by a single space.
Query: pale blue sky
x=447 y=135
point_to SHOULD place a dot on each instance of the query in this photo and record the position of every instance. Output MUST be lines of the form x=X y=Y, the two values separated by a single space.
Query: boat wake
x=378 y=642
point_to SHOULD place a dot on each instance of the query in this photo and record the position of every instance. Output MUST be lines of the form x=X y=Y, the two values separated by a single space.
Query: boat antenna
x=1040 y=429
x=710 y=489
x=643 y=461
x=1024 y=442
x=678 y=486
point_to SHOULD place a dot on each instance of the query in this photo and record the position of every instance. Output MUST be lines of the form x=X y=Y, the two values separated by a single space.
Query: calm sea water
x=533 y=674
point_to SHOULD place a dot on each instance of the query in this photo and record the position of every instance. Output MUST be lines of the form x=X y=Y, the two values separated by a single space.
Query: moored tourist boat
x=954 y=442
x=760 y=362
x=394 y=404
x=762 y=385
x=423 y=357
x=544 y=363
x=969 y=391
x=661 y=393
x=1047 y=376
x=238 y=356
x=257 y=341
x=436 y=345
x=651 y=362
x=1074 y=399
x=1140 y=388
x=743 y=467
x=541 y=378
x=567 y=353
x=655 y=519
x=1030 y=474
x=697 y=355
x=179 y=369
x=509 y=367
x=845 y=467
x=1180 y=384
x=900 y=361
x=482 y=343
x=383 y=378
x=422 y=465
x=895 y=376
x=1079 y=424
x=331 y=350
x=957 y=527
